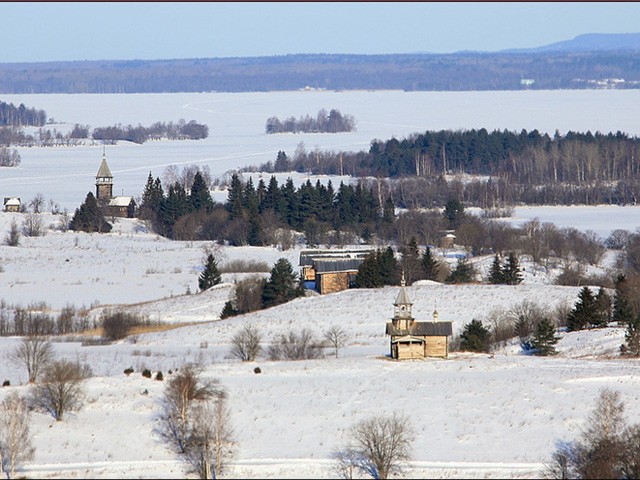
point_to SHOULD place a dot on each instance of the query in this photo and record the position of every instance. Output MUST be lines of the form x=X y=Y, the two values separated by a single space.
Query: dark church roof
x=428 y=329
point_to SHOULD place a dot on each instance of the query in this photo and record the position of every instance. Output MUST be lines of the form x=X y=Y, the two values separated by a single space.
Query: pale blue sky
x=35 y=32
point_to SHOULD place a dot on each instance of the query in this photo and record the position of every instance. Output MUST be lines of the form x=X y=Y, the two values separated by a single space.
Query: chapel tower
x=104 y=181
x=402 y=318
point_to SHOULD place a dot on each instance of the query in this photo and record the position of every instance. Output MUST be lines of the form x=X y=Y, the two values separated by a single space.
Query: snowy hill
x=475 y=415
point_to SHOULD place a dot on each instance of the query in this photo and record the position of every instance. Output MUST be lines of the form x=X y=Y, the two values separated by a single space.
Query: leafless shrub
x=378 y=446
x=244 y=266
x=13 y=237
x=502 y=327
x=561 y=313
x=34 y=353
x=211 y=439
x=498 y=212
x=245 y=343
x=336 y=337
x=117 y=324
x=60 y=389
x=526 y=315
x=15 y=438
x=294 y=346
x=32 y=225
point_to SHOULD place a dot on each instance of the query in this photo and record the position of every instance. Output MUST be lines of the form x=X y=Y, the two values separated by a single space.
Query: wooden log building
x=415 y=340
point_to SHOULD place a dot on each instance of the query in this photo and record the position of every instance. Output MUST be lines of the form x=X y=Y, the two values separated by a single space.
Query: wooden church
x=121 y=206
x=414 y=340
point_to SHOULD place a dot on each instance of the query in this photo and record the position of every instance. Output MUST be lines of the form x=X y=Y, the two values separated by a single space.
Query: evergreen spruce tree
x=282 y=285
x=463 y=273
x=544 y=338
x=511 y=273
x=89 y=217
x=622 y=309
x=210 y=276
x=200 y=198
x=272 y=196
x=389 y=268
x=175 y=205
x=602 y=313
x=151 y=202
x=430 y=264
x=290 y=204
x=474 y=337
x=631 y=344
x=282 y=162
x=583 y=312
x=235 y=198
x=495 y=273
x=228 y=310
x=454 y=212
x=368 y=275
x=261 y=192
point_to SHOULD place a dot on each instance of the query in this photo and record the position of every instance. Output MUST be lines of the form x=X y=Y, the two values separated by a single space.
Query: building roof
x=104 y=171
x=12 y=201
x=427 y=329
x=120 y=201
x=327 y=265
x=307 y=257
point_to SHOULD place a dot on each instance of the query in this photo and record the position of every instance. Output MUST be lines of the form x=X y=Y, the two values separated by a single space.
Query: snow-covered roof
x=12 y=202
x=120 y=201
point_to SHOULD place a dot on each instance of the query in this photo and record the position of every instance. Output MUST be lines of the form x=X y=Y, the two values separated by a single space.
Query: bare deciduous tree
x=37 y=203
x=348 y=463
x=35 y=353
x=379 y=445
x=211 y=442
x=15 y=439
x=605 y=447
x=336 y=337
x=181 y=391
x=60 y=389
x=245 y=343
x=630 y=454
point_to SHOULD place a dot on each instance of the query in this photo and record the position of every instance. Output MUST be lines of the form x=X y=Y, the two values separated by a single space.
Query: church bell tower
x=104 y=181
x=402 y=318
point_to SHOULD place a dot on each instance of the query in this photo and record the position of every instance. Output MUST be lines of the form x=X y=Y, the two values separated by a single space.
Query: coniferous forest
x=512 y=167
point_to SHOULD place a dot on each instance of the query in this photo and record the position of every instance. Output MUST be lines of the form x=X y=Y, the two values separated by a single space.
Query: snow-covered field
x=475 y=416
x=236 y=128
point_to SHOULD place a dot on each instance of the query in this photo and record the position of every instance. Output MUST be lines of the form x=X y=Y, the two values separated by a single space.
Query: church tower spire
x=402 y=308
x=104 y=180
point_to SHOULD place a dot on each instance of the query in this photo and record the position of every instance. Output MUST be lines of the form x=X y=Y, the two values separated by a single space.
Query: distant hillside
x=594 y=42
x=588 y=61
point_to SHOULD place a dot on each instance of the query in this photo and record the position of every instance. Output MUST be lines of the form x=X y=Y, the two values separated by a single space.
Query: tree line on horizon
x=409 y=72
x=509 y=167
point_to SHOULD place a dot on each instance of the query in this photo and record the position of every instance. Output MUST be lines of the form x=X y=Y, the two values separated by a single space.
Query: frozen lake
x=236 y=128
